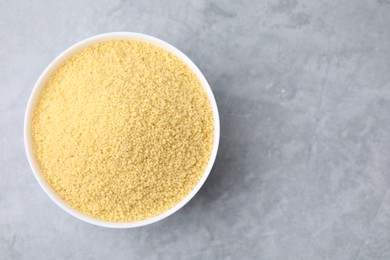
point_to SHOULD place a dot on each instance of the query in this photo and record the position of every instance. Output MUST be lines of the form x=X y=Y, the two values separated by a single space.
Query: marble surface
x=303 y=89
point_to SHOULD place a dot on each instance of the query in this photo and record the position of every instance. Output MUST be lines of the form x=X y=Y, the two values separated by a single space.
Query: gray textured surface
x=303 y=89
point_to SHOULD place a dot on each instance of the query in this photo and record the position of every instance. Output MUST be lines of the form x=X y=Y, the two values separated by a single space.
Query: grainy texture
x=123 y=130
x=303 y=90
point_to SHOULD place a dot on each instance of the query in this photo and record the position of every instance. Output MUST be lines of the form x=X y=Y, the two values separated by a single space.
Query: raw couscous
x=123 y=130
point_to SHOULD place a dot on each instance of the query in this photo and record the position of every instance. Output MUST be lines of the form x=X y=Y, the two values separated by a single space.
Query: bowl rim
x=40 y=84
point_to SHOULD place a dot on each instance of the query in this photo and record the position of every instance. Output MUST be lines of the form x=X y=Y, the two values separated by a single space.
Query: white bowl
x=40 y=84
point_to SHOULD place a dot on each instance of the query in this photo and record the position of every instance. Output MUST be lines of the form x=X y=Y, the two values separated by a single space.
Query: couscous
x=123 y=130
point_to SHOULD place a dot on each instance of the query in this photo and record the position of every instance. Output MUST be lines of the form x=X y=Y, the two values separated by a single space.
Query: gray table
x=303 y=89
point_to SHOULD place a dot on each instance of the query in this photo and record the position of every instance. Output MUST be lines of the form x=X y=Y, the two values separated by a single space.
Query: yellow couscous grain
x=123 y=130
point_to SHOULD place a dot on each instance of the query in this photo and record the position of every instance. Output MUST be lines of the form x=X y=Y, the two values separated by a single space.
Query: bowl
x=40 y=84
